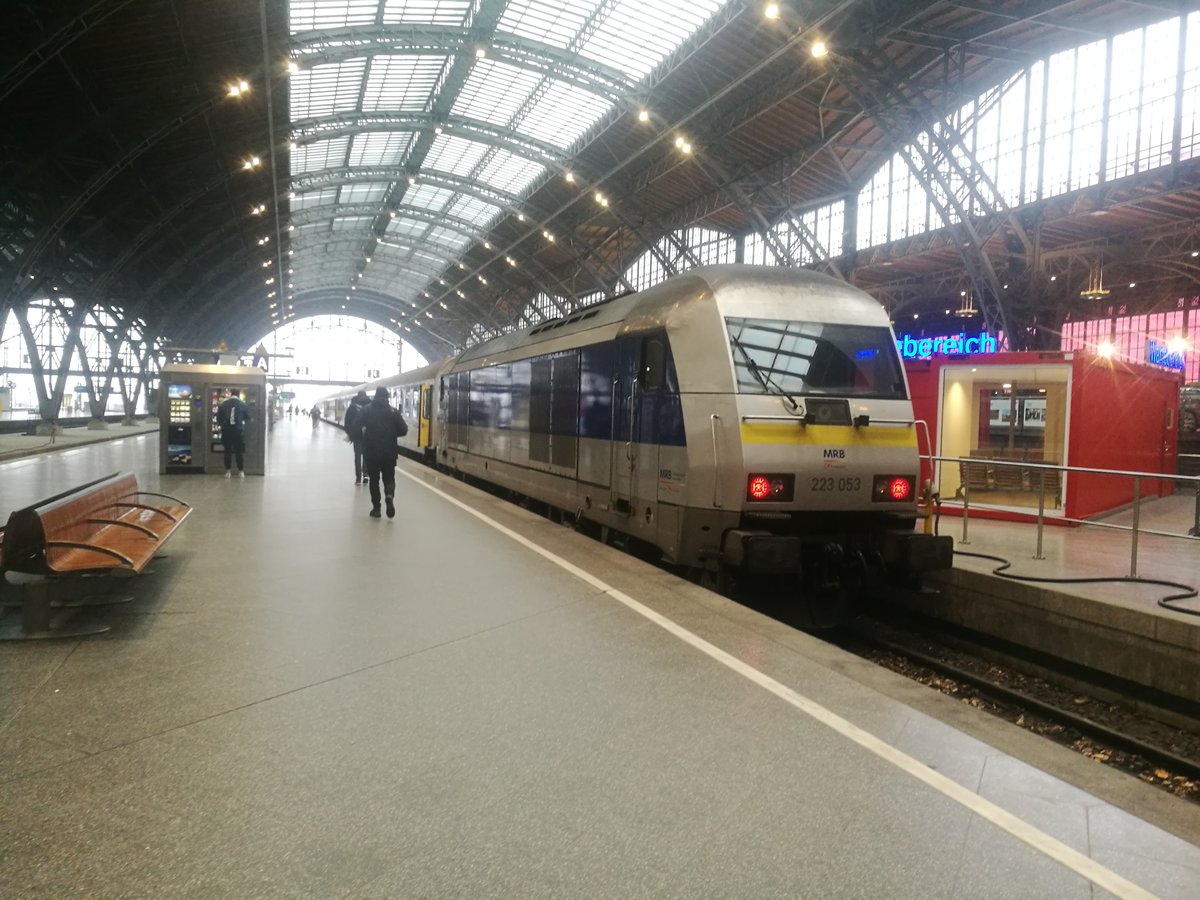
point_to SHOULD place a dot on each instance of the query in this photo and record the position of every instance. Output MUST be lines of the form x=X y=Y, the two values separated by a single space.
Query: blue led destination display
x=945 y=345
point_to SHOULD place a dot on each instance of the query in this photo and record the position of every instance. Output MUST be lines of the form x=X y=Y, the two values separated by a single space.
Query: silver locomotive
x=743 y=420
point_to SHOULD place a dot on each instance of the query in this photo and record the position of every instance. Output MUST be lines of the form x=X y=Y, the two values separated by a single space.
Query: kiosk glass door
x=1007 y=420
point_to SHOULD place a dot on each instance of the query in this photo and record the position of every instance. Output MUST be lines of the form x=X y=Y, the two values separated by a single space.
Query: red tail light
x=893 y=488
x=777 y=488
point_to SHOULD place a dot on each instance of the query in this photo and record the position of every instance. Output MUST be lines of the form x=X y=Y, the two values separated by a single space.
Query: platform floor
x=470 y=701
x=1096 y=551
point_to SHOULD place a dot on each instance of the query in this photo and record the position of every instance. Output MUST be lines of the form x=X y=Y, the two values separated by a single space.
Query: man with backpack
x=380 y=426
x=353 y=411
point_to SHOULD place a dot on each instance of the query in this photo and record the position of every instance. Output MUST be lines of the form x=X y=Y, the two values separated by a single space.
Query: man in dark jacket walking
x=232 y=415
x=379 y=427
x=353 y=411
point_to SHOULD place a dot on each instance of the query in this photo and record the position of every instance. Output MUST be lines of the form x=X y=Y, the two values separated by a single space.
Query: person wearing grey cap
x=380 y=426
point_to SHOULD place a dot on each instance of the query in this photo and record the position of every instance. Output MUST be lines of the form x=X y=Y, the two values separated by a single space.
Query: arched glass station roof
x=415 y=127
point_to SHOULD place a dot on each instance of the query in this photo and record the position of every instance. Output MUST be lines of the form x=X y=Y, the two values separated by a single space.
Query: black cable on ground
x=1165 y=602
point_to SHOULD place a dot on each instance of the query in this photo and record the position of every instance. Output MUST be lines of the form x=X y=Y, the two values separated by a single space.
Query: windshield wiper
x=760 y=376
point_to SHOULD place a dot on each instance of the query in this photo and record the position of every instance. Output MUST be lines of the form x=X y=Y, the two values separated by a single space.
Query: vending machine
x=183 y=422
x=191 y=436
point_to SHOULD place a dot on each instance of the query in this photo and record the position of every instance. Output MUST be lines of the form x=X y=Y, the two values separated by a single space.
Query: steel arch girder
x=335 y=45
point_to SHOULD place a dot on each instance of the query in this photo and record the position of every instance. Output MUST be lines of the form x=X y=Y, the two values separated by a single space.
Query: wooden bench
x=103 y=526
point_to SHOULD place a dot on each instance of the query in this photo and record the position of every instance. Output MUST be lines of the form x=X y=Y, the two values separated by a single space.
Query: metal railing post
x=966 y=488
x=1041 y=511
x=1137 y=509
x=1194 y=531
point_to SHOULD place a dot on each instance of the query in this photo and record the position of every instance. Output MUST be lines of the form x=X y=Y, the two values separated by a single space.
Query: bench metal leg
x=36 y=620
x=98 y=599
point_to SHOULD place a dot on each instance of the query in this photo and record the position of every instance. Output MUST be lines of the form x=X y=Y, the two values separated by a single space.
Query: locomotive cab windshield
x=793 y=358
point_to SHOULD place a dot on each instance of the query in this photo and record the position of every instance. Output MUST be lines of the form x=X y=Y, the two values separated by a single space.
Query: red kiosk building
x=1055 y=408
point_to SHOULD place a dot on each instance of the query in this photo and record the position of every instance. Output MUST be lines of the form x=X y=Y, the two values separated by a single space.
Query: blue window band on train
x=945 y=345
x=569 y=394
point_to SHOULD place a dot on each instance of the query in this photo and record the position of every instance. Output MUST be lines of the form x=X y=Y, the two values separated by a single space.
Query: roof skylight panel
x=380 y=148
x=342 y=244
x=364 y=193
x=429 y=259
x=319 y=156
x=472 y=209
x=402 y=82
x=563 y=113
x=636 y=36
x=447 y=239
x=456 y=155
x=427 y=197
x=328 y=89
x=309 y=199
x=352 y=223
x=313 y=15
x=403 y=227
x=428 y=12
x=494 y=91
x=552 y=23
x=509 y=173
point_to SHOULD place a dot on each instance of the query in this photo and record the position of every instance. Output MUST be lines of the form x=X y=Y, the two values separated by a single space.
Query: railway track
x=1158 y=741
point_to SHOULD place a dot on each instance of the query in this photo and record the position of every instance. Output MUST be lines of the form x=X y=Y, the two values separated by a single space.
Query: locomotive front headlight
x=893 y=488
x=773 y=488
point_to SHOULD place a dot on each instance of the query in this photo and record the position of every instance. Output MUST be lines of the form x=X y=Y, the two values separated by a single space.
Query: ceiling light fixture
x=1095 y=288
x=966 y=308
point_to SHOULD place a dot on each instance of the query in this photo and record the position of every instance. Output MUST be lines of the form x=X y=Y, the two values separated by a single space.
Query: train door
x=638 y=379
x=423 y=414
x=624 y=406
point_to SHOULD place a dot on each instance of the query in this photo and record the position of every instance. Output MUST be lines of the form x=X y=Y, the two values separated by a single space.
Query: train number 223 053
x=827 y=483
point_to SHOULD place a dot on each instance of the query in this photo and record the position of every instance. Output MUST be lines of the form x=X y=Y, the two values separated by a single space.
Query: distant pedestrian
x=315 y=412
x=380 y=427
x=233 y=414
x=353 y=411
